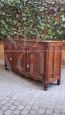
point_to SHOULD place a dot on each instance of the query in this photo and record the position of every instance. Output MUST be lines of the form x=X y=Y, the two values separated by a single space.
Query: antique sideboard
x=38 y=60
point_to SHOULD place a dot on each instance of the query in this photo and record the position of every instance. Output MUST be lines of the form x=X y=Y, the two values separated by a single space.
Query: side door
x=9 y=55
x=54 y=63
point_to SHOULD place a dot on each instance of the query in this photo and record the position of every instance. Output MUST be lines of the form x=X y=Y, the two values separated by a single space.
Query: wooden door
x=52 y=63
x=35 y=62
x=9 y=55
x=20 y=58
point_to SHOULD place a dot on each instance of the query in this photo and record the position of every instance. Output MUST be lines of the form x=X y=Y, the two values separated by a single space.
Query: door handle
x=10 y=59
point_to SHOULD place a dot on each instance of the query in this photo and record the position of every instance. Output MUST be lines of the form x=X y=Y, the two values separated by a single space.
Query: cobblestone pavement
x=24 y=96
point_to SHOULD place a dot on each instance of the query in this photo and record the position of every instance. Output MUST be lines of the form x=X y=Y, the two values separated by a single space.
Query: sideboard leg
x=6 y=66
x=45 y=86
x=58 y=82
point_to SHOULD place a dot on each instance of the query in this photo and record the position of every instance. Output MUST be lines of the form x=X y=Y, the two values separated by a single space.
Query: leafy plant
x=32 y=19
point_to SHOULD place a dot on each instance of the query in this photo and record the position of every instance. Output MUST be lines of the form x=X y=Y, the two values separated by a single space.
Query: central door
x=20 y=57
x=35 y=62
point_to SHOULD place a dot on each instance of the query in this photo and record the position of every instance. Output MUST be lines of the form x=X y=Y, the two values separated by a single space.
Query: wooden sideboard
x=63 y=55
x=38 y=60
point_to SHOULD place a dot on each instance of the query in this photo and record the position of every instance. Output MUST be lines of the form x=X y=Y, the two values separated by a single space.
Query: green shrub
x=32 y=19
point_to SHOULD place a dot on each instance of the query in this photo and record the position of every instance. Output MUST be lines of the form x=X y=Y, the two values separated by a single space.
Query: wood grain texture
x=1 y=50
x=40 y=61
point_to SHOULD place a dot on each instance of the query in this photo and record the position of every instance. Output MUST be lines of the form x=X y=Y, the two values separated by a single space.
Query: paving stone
x=1 y=112
x=56 y=114
x=8 y=112
x=49 y=111
x=1 y=105
x=50 y=107
x=57 y=110
x=46 y=114
x=16 y=112
x=58 y=106
x=8 y=104
x=3 y=102
x=63 y=106
x=20 y=107
x=33 y=112
x=25 y=112
x=4 y=108
x=24 y=103
x=16 y=102
x=30 y=114
x=28 y=107
x=62 y=114
x=12 y=107
x=12 y=101
x=35 y=107
x=7 y=98
x=41 y=111
x=63 y=110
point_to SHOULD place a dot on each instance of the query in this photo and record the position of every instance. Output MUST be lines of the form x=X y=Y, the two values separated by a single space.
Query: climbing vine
x=44 y=19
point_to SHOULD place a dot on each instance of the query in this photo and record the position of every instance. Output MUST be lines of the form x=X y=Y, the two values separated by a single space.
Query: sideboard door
x=9 y=55
x=20 y=57
x=35 y=62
